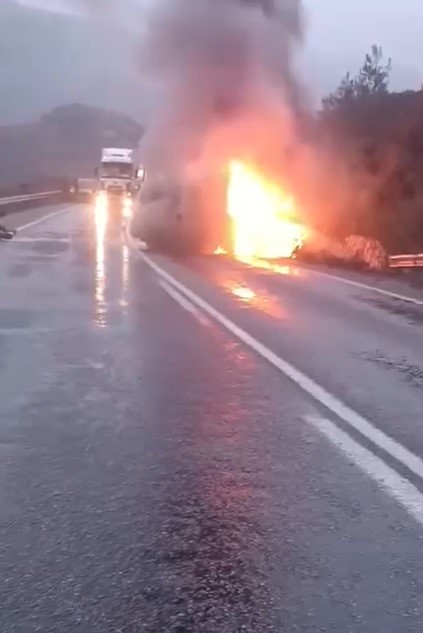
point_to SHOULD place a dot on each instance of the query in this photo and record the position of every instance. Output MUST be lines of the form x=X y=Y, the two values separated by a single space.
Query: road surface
x=201 y=445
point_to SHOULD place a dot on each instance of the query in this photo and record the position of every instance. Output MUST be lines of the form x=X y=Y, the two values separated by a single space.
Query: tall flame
x=261 y=214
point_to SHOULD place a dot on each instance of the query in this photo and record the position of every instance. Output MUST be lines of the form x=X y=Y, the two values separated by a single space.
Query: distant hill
x=51 y=58
x=65 y=142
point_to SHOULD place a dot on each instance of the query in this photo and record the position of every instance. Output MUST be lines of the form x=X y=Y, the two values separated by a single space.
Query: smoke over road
x=228 y=89
x=225 y=72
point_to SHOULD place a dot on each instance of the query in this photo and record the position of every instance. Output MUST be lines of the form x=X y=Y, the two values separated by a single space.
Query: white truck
x=119 y=175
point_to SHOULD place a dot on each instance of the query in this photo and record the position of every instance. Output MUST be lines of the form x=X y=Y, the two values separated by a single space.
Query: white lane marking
x=42 y=219
x=386 y=477
x=183 y=302
x=318 y=393
x=362 y=286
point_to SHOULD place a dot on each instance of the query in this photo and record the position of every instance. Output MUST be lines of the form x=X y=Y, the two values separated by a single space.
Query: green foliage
x=372 y=78
x=376 y=136
x=344 y=93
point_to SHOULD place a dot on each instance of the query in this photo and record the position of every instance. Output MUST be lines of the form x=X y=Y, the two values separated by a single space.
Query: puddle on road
x=12 y=319
x=25 y=268
x=19 y=270
x=50 y=247
x=41 y=246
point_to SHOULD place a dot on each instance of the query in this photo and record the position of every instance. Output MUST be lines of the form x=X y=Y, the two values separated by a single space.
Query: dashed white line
x=308 y=385
x=386 y=477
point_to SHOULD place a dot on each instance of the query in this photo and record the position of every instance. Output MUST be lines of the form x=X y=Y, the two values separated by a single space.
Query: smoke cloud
x=224 y=69
x=114 y=13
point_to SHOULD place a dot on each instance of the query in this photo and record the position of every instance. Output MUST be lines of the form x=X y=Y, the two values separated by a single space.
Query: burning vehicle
x=184 y=213
x=234 y=211
x=215 y=148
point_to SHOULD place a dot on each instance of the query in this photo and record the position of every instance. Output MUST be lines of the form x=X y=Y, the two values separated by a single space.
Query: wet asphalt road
x=157 y=474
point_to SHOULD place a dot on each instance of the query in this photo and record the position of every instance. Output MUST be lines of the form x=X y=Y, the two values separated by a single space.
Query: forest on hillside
x=377 y=137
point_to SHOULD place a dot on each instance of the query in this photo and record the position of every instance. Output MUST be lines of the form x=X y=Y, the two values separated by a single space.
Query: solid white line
x=318 y=393
x=386 y=477
x=362 y=286
x=183 y=302
x=42 y=219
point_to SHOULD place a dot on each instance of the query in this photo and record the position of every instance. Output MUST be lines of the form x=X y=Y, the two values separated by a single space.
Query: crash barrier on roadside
x=12 y=204
x=27 y=197
x=406 y=261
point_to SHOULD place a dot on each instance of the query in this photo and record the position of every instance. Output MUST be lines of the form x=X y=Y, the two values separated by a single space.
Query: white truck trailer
x=118 y=175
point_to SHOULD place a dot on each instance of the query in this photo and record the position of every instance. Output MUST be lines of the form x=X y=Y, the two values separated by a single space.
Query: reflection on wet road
x=101 y=221
x=158 y=474
x=244 y=293
x=263 y=301
x=125 y=276
x=273 y=266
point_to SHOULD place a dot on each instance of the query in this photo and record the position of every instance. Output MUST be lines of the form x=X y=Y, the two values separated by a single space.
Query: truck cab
x=117 y=172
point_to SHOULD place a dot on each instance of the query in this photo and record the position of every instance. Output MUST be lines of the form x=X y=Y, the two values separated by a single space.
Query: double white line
x=397 y=486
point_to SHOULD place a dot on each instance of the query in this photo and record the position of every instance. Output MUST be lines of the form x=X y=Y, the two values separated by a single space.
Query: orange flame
x=261 y=215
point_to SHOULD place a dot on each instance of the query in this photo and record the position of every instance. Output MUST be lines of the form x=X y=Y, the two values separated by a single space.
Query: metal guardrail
x=406 y=261
x=27 y=197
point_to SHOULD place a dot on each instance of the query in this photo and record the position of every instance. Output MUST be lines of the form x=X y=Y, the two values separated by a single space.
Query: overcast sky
x=339 y=32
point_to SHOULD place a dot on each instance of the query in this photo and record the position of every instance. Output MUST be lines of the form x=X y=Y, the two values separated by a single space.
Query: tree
x=372 y=78
x=344 y=93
